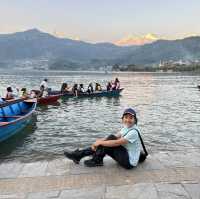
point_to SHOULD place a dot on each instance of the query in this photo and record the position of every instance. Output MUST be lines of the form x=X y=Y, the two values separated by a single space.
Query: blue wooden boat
x=14 y=116
x=103 y=93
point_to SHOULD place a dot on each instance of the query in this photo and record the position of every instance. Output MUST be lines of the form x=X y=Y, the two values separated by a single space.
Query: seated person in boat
x=24 y=93
x=117 y=84
x=98 y=87
x=33 y=94
x=109 y=86
x=9 y=94
x=90 y=88
x=81 y=88
x=75 y=90
x=123 y=147
x=113 y=86
x=64 y=88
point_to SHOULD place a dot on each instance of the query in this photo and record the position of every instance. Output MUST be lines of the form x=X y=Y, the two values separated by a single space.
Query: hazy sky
x=102 y=20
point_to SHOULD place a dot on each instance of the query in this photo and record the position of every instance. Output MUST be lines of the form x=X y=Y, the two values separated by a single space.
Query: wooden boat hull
x=50 y=99
x=103 y=93
x=14 y=116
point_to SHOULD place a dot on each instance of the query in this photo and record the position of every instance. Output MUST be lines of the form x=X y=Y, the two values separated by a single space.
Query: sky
x=122 y=22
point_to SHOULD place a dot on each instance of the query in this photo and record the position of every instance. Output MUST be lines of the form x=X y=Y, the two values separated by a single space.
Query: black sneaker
x=93 y=163
x=74 y=155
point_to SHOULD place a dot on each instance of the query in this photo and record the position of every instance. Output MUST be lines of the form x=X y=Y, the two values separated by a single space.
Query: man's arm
x=118 y=135
x=110 y=143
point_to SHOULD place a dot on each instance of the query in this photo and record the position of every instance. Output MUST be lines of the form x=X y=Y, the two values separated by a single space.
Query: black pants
x=118 y=153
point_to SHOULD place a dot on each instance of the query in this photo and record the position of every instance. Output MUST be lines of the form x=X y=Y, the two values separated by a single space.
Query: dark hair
x=116 y=80
x=75 y=86
x=64 y=85
x=136 y=120
x=9 y=89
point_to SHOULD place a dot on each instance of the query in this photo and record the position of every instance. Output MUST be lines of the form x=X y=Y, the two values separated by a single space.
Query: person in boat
x=113 y=86
x=64 y=88
x=40 y=94
x=117 y=84
x=43 y=92
x=33 y=94
x=98 y=87
x=81 y=88
x=16 y=92
x=90 y=88
x=44 y=84
x=9 y=94
x=109 y=86
x=75 y=90
x=24 y=93
x=123 y=147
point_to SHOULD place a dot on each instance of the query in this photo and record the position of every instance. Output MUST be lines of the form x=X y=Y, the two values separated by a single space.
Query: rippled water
x=168 y=107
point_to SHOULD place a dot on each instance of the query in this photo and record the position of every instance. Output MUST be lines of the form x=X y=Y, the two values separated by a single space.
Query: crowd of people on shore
x=76 y=89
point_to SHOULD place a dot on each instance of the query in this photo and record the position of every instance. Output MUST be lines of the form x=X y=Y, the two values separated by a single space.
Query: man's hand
x=96 y=144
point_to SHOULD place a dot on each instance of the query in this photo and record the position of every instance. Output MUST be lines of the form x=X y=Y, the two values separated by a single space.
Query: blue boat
x=14 y=116
x=103 y=93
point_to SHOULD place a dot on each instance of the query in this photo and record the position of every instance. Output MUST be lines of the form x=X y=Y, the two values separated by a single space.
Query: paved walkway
x=164 y=175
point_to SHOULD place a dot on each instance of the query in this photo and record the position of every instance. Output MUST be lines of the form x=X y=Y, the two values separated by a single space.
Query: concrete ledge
x=162 y=175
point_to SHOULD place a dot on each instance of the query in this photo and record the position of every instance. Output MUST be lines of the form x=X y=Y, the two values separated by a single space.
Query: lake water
x=168 y=108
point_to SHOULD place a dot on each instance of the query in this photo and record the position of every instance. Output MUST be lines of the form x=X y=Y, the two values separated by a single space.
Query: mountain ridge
x=63 y=52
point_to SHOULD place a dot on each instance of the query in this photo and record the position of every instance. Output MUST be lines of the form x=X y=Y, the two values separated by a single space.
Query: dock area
x=164 y=175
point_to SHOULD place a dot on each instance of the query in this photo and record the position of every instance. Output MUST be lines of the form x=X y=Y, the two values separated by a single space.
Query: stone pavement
x=164 y=175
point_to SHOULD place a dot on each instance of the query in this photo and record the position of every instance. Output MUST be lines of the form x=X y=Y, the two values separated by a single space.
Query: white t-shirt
x=82 y=90
x=44 y=83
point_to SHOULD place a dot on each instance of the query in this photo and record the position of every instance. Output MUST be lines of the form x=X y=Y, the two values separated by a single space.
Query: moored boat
x=198 y=86
x=103 y=93
x=14 y=116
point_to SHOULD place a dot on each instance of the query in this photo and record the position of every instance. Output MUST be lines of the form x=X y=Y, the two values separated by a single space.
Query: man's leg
x=119 y=154
x=77 y=155
x=98 y=155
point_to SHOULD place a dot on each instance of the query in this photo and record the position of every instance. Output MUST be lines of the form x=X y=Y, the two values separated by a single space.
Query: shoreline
x=95 y=71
